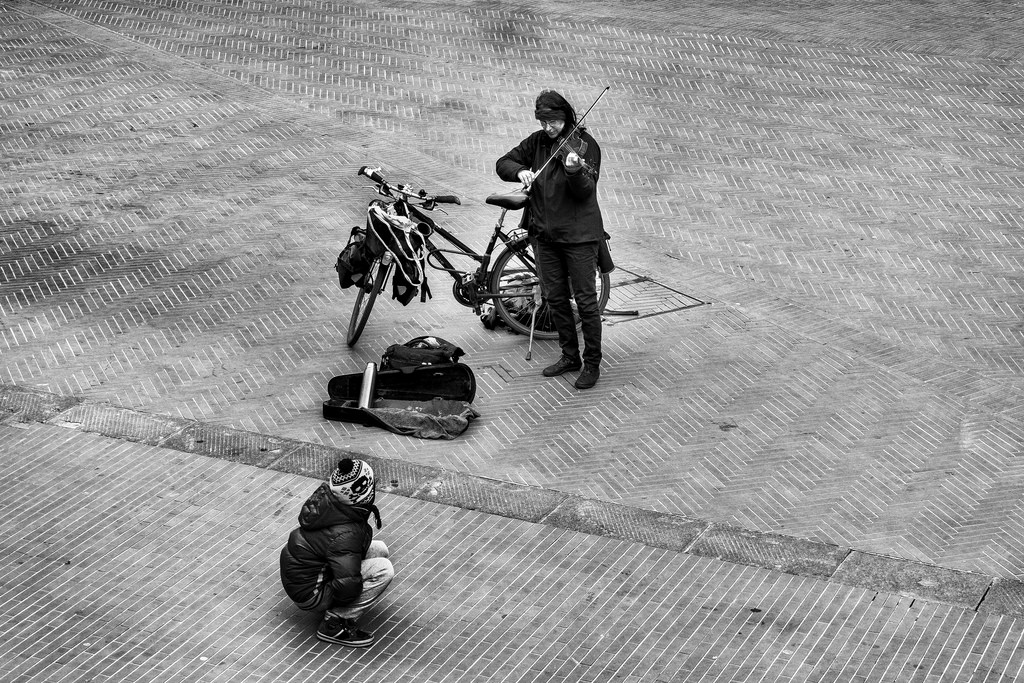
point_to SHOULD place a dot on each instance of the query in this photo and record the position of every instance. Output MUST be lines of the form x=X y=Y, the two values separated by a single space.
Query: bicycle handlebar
x=384 y=187
x=371 y=173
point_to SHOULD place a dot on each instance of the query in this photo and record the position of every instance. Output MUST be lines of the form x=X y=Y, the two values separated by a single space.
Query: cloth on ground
x=436 y=419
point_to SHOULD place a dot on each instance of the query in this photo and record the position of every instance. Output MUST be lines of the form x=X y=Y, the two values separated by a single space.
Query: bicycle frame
x=479 y=294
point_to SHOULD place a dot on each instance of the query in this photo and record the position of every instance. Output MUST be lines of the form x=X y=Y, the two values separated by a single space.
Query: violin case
x=437 y=389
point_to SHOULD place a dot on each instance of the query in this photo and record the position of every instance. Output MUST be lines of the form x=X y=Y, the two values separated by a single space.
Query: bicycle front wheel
x=365 y=298
x=517 y=288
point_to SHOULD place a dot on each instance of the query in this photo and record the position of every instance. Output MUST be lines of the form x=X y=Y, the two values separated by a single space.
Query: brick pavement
x=840 y=183
x=125 y=561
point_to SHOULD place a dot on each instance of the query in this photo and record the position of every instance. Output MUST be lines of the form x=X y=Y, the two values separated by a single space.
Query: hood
x=324 y=509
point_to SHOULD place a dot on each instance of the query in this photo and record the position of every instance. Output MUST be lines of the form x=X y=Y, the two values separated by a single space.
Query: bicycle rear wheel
x=365 y=298
x=514 y=280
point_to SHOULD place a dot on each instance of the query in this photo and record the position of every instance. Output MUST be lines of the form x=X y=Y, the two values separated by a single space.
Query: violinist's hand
x=573 y=161
x=526 y=177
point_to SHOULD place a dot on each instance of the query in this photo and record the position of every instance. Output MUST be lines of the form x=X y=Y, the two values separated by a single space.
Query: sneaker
x=564 y=364
x=588 y=377
x=343 y=632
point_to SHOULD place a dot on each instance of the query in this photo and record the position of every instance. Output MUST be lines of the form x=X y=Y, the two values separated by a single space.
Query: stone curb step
x=972 y=591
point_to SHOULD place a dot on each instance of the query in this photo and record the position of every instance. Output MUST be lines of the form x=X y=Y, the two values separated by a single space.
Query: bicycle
x=509 y=289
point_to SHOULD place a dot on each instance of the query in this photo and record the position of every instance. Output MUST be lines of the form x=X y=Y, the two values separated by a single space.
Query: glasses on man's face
x=553 y=125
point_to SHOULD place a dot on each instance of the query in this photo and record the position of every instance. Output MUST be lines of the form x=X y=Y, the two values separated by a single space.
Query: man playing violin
x=564 y=219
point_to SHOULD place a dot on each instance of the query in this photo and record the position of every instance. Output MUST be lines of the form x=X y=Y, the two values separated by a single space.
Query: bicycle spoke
x=514 y=284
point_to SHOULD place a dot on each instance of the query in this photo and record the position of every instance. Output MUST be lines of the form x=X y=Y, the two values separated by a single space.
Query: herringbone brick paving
x=130 y=562
x=170 y=250
x=842 y=183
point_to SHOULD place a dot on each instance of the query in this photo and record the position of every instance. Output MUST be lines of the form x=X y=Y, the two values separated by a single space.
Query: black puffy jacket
x=332 y=537
x=562 y=206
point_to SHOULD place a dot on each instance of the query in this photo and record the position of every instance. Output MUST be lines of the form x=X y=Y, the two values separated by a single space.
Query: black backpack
x=427 y=350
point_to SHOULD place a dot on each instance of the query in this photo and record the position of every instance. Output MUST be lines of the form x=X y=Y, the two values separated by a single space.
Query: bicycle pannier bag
x=375 y=245
x=352 y=264
x=403 y=290
x=403 y=237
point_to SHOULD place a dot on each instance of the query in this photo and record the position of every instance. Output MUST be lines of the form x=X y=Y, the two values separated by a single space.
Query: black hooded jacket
x=332 y=537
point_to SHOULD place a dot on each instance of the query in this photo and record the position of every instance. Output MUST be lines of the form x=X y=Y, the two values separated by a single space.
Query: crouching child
x=331 y=562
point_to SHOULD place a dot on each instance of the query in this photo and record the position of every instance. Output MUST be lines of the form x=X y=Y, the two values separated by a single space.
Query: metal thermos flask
x=369 y=386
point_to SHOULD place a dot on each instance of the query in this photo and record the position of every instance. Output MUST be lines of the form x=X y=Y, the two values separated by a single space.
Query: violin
x=574 y=143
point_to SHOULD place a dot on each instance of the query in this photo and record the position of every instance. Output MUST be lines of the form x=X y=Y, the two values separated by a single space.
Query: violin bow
x=568 y=136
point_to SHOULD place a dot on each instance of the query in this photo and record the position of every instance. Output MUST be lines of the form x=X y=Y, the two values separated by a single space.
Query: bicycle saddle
x=512 y=201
